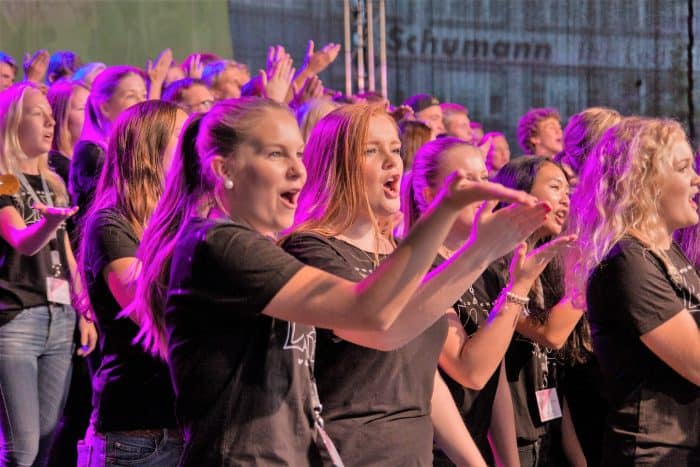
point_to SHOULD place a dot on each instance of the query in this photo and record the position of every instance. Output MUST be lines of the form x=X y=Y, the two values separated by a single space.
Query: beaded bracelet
x=518 y=300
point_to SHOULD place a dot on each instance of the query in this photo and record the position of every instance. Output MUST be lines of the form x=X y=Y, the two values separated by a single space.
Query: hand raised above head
x=35 y=66
x=316 y=62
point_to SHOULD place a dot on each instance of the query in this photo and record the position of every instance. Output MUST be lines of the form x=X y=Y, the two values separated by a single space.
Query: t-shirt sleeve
x=5 y=201
x=109 y=238
x=644 y=297
x=256 y=264
x=318 y=253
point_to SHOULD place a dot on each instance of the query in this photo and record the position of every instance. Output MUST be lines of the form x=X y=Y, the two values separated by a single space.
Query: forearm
x=438 y=291
x=569 y=440
x=155 y=90
x=502 y=429
x=553 y=333
x=31 y=239
x=386 y=293
x=483 y=352
x=450 y=433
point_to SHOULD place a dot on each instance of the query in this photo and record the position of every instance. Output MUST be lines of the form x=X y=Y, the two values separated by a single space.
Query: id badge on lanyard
x=57 y=288
x=547 y=399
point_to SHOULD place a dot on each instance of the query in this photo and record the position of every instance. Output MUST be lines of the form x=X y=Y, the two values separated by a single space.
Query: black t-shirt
x=242 y=379
x=23 y=278
x=131 y=389
x=476 y=407
x=376 y=404
x=654 y=416
x=529 y=369
x=59 y=164
x=84 y=173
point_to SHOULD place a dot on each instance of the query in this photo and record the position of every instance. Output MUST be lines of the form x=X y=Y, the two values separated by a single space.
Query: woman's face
x=677 y=202
x=76 y=112
x=36 y=125
x=382 y=166
x=499 y=154
x=469 y=160
x=180 y=118
x=130 y=91
x=268 y=174
x=550 y=185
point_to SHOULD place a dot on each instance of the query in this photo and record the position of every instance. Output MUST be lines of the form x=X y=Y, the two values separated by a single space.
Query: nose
x=296 y=169
x=695 y=181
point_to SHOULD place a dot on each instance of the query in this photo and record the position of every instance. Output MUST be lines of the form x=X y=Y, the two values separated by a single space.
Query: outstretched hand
x=500 y=231
x=55 y=215
x=526 y=267
x=458 y=192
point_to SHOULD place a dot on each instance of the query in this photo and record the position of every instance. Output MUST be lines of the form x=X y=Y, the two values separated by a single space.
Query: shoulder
x=326 y=253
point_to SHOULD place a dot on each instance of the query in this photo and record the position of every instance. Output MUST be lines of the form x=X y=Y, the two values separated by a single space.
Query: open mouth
x=290 y=198
x=561 y=216
x=392 y=186
x=694 y=200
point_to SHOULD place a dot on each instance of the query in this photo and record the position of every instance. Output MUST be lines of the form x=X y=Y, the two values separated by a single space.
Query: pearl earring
x=228 y=184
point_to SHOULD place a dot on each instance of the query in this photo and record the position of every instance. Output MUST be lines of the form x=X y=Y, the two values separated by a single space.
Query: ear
x=105 y=110
x=428 y=194
x=535 y=140
x=219 y=167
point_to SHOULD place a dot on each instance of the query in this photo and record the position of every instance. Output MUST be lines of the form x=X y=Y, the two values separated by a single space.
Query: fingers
x=309 y=49
x=554 y=247
x=484 y=210
x=55 y=212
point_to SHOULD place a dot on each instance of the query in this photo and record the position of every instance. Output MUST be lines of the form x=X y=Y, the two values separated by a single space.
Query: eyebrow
x=393 y=141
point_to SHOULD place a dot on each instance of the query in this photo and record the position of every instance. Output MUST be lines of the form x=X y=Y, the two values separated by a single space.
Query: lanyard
x=318 y=422
x=56 y=266
x=29 y=189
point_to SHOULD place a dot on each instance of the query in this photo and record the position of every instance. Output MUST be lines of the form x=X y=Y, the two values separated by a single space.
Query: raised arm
x=29 y=239
x=472 y=360
x=553 y=333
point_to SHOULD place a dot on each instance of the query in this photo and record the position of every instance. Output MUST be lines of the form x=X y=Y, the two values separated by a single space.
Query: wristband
x=518 y=300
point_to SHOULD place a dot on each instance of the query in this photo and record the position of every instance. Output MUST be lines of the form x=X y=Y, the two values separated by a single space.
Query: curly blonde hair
x=618 y=194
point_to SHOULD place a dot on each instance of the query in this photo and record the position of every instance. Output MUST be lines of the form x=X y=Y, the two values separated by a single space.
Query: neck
x=362 y=235
x=661 y=241
x=29 y=166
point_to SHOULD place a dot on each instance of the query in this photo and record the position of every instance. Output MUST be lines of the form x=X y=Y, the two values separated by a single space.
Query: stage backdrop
x=497 y=57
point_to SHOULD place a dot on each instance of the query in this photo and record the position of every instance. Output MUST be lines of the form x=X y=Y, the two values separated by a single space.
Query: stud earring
x=228 y=184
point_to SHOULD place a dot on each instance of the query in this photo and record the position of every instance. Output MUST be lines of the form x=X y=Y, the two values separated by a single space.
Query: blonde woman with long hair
x=637 y=188
x=36 y=318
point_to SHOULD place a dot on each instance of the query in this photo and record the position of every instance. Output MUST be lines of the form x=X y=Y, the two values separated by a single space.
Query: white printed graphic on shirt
x=304 y=342
x=25 y=200
x=692 y=306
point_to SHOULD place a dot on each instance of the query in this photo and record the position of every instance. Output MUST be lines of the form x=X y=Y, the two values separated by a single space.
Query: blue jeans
x=35 y=366
x=112 y=449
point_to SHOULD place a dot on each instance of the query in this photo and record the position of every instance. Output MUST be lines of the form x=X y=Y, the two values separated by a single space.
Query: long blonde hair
x=618 y=194
x=11 y=153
